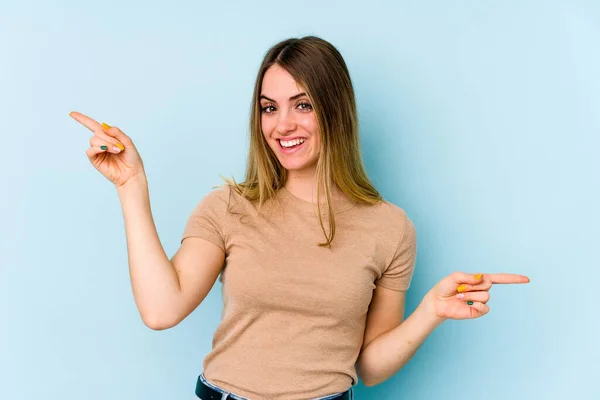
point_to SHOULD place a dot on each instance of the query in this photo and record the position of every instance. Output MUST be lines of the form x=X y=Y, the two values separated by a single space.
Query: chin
x=297 y=166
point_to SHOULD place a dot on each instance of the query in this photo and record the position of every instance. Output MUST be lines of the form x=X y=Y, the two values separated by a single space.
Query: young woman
x=314 y=263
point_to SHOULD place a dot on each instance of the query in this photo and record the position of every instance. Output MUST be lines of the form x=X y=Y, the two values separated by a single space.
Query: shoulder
x=227 y=198
x=215 y=199
x=393 y=211
x=385 y=212
x=217 y=191
x=220 y=193
x=400 y=218
x=388 y=218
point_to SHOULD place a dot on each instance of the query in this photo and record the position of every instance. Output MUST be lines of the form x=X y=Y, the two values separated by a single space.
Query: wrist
x=134 y=191
x=429 y=310
x=135 y=183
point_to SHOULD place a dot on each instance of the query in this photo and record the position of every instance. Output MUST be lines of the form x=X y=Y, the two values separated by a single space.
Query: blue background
x=479 y=118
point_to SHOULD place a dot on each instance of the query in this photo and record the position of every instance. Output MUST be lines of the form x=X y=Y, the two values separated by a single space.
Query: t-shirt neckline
x=339 y=204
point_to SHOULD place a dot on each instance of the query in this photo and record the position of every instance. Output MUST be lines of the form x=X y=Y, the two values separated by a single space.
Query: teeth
x=290 y=143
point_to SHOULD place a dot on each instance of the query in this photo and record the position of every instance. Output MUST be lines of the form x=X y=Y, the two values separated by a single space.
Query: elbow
x=369 y=382
x=368 y=376
x=161 y=315
x=366 y=382
x=157 y=326
x=158 y=322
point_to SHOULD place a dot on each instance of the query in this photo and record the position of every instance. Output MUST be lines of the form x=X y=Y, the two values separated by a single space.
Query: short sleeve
x=398 y=275
x=207 y=220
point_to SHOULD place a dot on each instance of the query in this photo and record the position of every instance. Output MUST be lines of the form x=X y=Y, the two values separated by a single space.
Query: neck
x=303 y=184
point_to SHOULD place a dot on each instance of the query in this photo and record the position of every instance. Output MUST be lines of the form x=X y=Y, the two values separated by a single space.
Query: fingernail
x=460 y=295
x=117 y=149
x=461 y=288
x=478 y=276
x=120 y=146
x=104 y=147
x=105 y=125
x=470 y=302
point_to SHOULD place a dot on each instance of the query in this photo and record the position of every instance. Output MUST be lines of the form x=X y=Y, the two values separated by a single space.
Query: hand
x=464 y=296
x=111 y=152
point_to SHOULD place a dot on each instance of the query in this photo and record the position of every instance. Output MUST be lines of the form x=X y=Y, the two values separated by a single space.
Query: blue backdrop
x=479 y=118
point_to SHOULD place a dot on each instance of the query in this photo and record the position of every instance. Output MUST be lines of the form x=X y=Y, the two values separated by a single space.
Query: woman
x=314 y=263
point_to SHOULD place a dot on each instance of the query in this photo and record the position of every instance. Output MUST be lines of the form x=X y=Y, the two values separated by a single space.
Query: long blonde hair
x=320 y=69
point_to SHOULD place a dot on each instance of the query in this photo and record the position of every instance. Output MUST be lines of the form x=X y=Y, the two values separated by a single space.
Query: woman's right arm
x=165 y=291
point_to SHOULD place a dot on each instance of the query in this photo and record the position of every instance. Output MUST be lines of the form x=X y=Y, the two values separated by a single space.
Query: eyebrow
x=294 y=97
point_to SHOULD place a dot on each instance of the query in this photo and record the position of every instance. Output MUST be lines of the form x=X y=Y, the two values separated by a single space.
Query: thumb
x=461 y=282
x=462 y=277
x=118 y=134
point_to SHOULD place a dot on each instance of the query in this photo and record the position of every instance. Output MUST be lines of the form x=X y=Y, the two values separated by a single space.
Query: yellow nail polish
x=478 y=276
x=120 y=146
x=461 y=288
x=105 y=125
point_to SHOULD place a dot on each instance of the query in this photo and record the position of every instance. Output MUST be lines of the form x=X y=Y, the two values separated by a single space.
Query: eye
x=306 y=106
x=265 y=109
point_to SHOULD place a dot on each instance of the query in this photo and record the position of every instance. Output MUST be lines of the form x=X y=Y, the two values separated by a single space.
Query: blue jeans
x=230 y=396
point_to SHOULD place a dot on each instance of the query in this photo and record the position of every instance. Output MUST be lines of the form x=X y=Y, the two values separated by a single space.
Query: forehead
x=278 y=84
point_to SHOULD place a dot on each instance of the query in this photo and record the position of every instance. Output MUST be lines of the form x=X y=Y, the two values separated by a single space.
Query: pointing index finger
x=86 y=121
x=507 y=278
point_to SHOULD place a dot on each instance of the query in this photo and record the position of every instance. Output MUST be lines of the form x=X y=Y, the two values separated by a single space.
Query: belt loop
x=225 y=396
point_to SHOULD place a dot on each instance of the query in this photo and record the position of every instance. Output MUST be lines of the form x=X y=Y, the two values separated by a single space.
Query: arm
x=390 y=343
x=165 y=291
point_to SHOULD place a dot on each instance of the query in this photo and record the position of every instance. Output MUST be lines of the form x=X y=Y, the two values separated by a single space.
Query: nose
x=286 y=123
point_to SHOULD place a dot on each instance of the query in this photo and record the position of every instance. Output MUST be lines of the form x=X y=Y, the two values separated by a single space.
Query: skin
x=286 y=116
x=388 y=342
x=166 y=291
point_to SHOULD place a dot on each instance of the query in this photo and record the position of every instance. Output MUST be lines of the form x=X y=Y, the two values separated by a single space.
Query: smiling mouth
x=291 y=144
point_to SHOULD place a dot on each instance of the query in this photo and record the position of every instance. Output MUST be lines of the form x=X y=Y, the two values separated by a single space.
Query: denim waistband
x=234 y=396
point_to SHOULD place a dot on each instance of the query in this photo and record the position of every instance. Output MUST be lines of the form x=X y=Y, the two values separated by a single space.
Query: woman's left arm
x=458 y=296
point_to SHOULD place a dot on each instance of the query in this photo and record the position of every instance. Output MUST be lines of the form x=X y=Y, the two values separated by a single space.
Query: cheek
x=309 y=124
x=265 y=127
x=314 y=129
x=266 y=133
